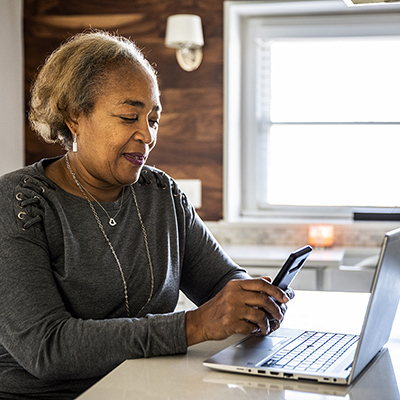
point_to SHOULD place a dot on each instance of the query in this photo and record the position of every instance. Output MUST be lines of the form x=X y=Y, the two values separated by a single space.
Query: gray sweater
x=63 y=322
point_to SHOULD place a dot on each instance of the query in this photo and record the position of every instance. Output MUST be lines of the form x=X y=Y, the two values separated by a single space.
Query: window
x=312 y=110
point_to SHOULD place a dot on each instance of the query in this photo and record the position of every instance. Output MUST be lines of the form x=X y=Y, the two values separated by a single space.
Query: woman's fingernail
x=287 y=297
x=274 y=325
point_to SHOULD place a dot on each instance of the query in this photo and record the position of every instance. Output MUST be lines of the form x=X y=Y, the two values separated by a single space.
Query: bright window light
x=333 y=165
x=333 y=105
x=335 y=80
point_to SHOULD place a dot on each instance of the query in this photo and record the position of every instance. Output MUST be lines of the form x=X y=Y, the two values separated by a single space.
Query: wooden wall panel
x=190 y=137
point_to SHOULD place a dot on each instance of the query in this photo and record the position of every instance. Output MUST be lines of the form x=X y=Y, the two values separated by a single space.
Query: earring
x=74 y=144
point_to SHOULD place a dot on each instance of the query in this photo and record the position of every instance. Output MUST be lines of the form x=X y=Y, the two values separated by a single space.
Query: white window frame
x=235 y=163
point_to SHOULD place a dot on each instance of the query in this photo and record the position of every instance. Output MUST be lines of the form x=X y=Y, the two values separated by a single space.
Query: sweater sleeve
x=206 y=266
x=48 y=342
x=35 y=327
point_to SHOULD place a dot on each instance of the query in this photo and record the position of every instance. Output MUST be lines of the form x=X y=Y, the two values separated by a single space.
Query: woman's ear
x=72 y=124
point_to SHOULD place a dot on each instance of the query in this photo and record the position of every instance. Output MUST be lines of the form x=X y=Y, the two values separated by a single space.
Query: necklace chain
x=84 y=191
x=111 y=220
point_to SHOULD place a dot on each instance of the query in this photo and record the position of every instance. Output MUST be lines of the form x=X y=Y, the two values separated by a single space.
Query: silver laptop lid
x=382 y=305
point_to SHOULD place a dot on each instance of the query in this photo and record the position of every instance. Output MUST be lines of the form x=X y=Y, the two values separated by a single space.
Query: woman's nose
x=145 y=133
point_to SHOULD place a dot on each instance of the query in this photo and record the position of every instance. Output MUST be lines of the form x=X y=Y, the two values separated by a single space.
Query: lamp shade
x=184 y=29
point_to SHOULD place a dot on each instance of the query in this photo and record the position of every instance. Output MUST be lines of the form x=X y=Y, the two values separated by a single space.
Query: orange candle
x=321 y=235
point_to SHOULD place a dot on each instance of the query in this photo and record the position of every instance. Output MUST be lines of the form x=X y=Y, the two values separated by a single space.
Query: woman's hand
x=242 y=306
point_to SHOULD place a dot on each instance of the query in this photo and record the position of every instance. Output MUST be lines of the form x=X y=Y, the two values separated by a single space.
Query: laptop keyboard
x=312 y=352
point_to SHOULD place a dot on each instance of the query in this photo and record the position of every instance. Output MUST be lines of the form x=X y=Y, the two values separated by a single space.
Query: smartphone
x=291 y=267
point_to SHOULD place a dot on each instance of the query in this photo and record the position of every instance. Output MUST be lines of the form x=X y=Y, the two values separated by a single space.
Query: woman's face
x=115 y=140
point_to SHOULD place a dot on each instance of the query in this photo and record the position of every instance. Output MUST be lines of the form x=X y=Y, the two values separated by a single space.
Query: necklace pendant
x=112 y=222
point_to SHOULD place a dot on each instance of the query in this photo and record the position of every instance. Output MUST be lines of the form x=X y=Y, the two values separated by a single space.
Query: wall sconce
x=185 y=34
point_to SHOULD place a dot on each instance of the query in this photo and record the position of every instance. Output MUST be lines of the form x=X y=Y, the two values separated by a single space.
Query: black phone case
x=291 y=267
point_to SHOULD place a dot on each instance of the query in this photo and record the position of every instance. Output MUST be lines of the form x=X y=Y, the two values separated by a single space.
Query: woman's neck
x=59 y=173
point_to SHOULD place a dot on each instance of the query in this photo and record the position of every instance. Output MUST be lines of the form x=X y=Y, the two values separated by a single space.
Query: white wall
x=11 y=86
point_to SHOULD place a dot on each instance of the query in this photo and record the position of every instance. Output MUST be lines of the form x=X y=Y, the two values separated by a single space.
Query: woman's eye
x=127 y=119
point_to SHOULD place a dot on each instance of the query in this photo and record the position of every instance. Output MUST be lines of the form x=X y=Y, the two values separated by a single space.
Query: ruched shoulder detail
x=154 y=176
x=29 y=200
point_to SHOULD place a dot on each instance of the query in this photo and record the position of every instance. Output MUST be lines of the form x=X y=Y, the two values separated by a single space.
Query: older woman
x=95 y=245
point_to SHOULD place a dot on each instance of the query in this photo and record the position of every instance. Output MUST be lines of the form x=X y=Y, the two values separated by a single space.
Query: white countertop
x=184 y=377
x=264 y=255
x=332 y=268
x=259 y=255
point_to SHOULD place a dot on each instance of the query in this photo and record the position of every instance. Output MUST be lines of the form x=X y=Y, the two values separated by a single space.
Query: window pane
x=334 y=165
x=335 y=79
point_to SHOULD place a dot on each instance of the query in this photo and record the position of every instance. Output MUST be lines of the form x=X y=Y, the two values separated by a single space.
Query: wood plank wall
x=190 y=136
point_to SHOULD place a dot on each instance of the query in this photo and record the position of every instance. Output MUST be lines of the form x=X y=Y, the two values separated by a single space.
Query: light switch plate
x=192 y=189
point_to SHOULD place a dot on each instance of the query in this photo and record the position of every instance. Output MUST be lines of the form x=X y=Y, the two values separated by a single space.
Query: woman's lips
x=137 y=159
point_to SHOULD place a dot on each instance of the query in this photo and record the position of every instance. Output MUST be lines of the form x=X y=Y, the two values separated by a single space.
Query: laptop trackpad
x=261 y=342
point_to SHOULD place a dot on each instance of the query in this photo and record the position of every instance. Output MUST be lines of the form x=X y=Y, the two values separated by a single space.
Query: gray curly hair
x=71 y=79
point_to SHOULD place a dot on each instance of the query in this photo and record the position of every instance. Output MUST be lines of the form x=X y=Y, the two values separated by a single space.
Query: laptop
x=379 y=370
x=336 y=358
